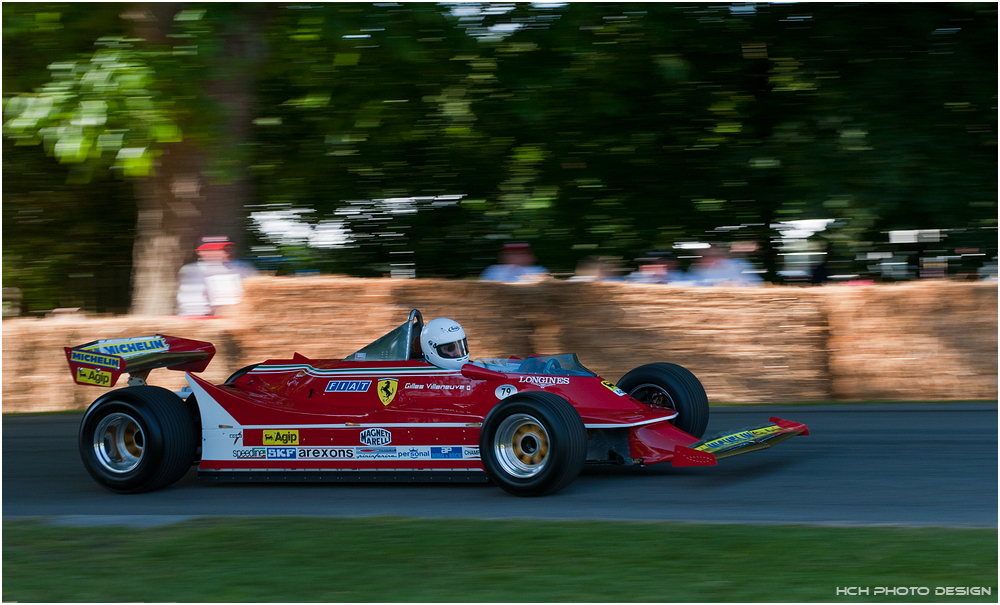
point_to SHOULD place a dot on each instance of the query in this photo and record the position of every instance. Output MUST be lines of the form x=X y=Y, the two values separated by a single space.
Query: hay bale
x=917 y=341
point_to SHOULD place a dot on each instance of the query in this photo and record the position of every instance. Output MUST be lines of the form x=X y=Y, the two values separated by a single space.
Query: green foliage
x=65 y=245
x=98 y=110
x=67 y=232
x=428 y=135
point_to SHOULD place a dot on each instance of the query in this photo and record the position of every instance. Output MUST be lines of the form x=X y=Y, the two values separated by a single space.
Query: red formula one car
x=407 y=407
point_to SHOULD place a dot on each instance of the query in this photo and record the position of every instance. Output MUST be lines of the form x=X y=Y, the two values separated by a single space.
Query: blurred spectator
x=715 y=268
x=597 y=268
x=516 y=265
x=988 y=272
x=213 y=281
x=820 y=274
x=657 y=268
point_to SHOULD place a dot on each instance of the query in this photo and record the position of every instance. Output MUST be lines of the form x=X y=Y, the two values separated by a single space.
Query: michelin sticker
x=94 y=359
x=130 y=347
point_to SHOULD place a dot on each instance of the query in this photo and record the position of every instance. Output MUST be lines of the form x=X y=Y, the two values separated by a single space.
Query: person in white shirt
x=212 y=282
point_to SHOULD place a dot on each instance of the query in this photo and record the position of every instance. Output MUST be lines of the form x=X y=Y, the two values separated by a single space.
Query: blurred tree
x=66 y=243
x=198 y=186
x=414 y=139
x=126 y=105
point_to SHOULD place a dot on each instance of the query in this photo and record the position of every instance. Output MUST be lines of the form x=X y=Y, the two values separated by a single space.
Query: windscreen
x=557 y=365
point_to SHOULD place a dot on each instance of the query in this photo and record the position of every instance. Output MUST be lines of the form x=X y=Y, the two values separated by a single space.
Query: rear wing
x=101 y=362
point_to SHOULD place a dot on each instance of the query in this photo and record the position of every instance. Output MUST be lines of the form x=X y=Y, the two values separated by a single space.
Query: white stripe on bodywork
x=439 y=425
x=631 y=424
x=307 y=369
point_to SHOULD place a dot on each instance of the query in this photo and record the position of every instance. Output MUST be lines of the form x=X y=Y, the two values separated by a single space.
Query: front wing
x=707 y=451
x=663 y=442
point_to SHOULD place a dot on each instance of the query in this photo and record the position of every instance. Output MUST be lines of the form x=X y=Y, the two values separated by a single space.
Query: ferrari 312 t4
x=407 y=407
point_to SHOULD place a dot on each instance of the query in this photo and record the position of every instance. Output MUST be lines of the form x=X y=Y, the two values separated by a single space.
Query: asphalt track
x=898 y=464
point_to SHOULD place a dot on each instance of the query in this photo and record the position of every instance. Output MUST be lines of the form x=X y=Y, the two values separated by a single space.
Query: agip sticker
x=281 y=437
x=93 y=376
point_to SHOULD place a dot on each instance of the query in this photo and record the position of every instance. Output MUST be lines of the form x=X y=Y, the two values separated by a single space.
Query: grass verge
x=391 y=559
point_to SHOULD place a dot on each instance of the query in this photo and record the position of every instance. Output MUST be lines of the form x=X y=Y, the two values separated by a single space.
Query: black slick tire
x=669 y=385
x=533 y=444
x=137 y=439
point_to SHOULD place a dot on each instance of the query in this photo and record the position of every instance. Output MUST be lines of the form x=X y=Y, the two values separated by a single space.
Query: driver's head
x=442 y=341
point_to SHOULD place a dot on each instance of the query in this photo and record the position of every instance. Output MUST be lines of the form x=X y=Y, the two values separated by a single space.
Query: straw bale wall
x=918 y=341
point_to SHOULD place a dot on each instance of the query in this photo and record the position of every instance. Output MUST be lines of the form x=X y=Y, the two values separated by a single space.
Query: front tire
x=670 y=386
x=533 y=444
x=137 y=439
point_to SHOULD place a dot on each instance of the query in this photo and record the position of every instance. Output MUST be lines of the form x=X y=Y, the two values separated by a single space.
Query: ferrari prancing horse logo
x=387 y=390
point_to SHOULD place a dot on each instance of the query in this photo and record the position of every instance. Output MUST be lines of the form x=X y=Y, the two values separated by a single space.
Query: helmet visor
x=453 y=350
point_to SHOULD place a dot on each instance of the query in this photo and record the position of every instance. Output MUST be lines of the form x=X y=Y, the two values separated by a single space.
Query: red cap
x=214 y=243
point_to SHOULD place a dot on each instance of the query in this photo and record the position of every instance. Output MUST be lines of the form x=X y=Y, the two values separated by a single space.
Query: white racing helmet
x=442 y=341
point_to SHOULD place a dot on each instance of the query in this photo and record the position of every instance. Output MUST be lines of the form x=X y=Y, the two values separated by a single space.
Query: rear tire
x=533 y=444
x=670 y=386
x=137 y=439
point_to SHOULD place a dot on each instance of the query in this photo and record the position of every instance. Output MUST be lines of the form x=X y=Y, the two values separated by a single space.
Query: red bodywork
x=285 y=419
x=331 y=414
